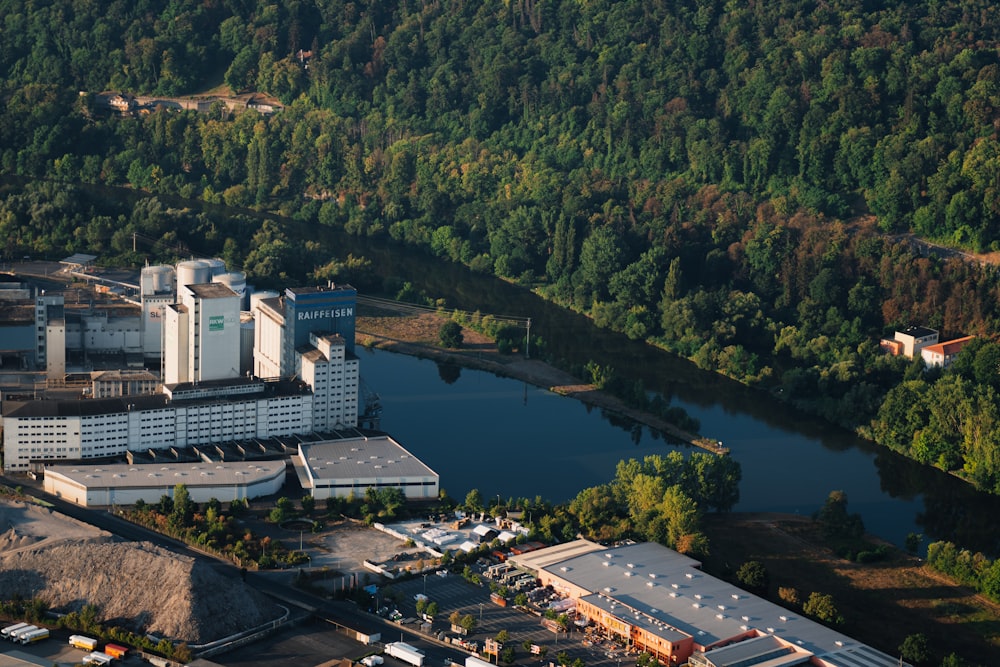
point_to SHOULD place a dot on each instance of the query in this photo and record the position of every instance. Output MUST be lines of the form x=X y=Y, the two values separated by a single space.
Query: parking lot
x=453 y=593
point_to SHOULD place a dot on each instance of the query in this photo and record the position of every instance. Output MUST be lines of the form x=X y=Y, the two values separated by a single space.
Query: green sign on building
x=216 y=323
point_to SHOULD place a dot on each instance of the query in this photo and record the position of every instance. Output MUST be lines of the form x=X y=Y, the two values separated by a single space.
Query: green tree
x=308 y=504
x=915 y=648
x=822 y=607
x=474 y=500
x=450 y=334
x=753 y=575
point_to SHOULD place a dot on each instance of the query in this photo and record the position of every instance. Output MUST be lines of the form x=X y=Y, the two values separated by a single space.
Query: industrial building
x=190 y=319
x=350 y=466
x=126 y=484
x=653 y=599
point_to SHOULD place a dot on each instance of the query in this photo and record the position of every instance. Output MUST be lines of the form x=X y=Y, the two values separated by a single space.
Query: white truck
x=16 y=635
x=372 y=660
x=36 y=635
x=11 y=629
x=406 y=653
x=80 y=641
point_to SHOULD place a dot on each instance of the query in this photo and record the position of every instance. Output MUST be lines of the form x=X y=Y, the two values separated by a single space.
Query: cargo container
x=115 y=651
x=36 y=635
x=406 y=653
x=86 y=643
x=10 y=629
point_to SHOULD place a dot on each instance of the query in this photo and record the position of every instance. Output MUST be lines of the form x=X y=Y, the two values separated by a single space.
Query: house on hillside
x=909 y=342
x=942 y=354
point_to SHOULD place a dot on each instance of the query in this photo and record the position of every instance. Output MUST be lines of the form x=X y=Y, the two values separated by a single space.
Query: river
x=503 y=437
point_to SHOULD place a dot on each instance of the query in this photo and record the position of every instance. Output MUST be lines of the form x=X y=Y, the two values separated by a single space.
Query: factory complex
x=238 y=375
x=656 y=600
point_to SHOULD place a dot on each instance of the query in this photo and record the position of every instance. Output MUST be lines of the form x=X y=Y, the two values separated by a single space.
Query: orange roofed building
x=942 y=354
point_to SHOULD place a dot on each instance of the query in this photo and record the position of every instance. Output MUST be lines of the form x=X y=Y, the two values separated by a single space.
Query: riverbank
x=417 y=335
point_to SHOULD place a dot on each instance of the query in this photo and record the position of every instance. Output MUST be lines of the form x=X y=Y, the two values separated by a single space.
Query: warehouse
x=125 y=484
x=653 y=599
x=340 y=468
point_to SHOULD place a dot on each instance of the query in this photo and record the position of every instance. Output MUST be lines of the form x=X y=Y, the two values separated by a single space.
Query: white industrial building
x=202 y=335
x=125 y=484
x=345 y=467
x=208 y=392
x=184 y=415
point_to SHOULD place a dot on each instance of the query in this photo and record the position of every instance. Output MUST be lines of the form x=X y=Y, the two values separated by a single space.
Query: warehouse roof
x=125 y=475
x=361 y=457
x=650 y=584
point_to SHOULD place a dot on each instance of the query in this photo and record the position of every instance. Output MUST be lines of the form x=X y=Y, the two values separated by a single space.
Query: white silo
x=236 y=281
x=194 y=272
x=156 y=280
x=257 y=297
x=216 y=266
x=246 y=343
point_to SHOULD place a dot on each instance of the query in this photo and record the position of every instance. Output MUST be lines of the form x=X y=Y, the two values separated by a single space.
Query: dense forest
x=730 y=181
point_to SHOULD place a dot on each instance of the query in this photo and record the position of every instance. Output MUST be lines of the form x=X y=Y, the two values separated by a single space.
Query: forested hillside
x=722 y=179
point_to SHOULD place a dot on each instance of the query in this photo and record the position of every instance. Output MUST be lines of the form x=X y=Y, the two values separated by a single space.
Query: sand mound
x=135 y=585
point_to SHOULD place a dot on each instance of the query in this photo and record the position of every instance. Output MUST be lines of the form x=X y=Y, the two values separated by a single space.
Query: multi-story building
x=184 y=415
x=308 y=381
x=284 y=324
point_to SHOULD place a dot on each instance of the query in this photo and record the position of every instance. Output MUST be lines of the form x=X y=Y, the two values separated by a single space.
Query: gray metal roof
x=211 y=290
x=124 y=475
x=665 y=587
x=362 y=457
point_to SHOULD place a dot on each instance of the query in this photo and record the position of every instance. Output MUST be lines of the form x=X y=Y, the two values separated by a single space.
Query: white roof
x=119 y=475
x=361 y=458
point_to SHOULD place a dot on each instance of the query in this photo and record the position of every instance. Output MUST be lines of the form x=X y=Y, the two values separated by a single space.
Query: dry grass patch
x=882 y=603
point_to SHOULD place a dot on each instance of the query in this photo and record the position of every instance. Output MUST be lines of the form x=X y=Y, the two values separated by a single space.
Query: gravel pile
x=135 y=585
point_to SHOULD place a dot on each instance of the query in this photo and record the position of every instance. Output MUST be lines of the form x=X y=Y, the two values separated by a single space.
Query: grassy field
x=882 y=603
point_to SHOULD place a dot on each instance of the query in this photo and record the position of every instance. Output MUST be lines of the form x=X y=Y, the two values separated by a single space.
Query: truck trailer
x=406 y=653
x=11 y=629
x=473 y=661
x=116 y=651
x=86 y=643
x=17 y=634
x=36 y=635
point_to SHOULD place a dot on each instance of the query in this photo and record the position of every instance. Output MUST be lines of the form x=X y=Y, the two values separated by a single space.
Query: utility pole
x=527 y=342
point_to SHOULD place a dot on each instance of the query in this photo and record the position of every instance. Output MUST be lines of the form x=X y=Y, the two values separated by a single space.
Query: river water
x=504 y=437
